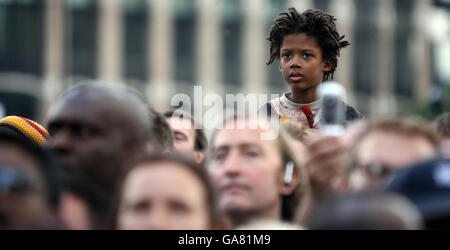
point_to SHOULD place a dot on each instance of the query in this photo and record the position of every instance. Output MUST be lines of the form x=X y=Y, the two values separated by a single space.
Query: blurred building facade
x=399 y=49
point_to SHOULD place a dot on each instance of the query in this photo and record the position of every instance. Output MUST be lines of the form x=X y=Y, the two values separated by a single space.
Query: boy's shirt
x=287 y=109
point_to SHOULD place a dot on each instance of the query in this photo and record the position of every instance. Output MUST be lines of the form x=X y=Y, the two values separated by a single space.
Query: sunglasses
x=13 y=181
x=376 y=169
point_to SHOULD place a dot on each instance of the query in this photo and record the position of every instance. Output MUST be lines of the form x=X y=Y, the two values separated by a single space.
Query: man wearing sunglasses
x=29 y=184
x=387 y=145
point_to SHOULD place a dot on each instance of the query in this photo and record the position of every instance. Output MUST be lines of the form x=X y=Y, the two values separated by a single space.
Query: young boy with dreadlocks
x=307 y=46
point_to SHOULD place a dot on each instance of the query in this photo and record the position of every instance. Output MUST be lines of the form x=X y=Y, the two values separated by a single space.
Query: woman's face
x=163 y=195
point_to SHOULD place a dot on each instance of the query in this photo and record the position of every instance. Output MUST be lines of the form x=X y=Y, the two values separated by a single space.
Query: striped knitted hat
x=27 y=128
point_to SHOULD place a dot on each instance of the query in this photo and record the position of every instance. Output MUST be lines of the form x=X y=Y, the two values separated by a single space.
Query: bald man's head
x=99 y=128
x=127 y=107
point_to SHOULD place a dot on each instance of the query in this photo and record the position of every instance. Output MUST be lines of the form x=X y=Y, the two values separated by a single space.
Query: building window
x=185 y=49
x=323 y=5
x=276 y=82
x=135 y=46
x=21 y=104
x=81 y=38
x=21 y=36
x=404 y=81
x=232 y=22
x=365 y=46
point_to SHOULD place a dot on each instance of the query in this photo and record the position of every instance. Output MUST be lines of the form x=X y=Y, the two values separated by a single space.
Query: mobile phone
x=332 y=110
x=2 y=110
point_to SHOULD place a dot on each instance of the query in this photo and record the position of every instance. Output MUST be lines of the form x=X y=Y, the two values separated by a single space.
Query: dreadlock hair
x=314 y=23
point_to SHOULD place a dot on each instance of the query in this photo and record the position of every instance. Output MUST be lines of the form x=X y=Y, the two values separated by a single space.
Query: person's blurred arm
x=325 y=164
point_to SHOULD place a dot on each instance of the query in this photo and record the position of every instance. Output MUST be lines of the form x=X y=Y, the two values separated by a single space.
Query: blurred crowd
x=105 y=159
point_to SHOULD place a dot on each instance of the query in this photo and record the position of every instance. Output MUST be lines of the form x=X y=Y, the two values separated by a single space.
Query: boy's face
x=301 y=62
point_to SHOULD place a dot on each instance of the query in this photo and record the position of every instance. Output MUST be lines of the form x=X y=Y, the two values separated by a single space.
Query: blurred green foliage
x=429 y=110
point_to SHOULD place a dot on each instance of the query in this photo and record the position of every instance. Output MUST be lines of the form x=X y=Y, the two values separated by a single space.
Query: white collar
x=315 y=105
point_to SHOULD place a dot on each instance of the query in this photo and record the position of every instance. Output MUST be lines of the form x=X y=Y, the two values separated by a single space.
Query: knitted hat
x=27 y=128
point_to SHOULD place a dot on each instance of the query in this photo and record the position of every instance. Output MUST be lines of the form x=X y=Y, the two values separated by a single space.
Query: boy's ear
x=279 y=66
x=326 y=65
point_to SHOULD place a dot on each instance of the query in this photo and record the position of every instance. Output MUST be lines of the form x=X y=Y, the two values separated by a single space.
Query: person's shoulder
x=352 y=113
x=267 y=108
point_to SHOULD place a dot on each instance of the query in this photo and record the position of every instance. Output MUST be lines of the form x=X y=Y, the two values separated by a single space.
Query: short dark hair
x=200 y=143
x=161 y=134
x=314 y=23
